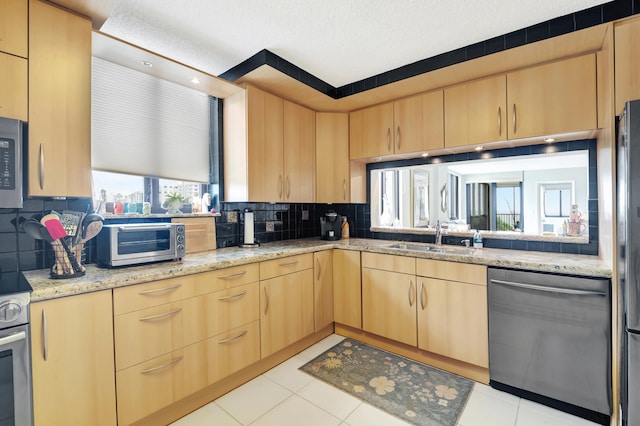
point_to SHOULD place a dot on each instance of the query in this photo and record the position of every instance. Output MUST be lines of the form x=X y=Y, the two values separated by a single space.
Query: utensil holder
x=63 y=267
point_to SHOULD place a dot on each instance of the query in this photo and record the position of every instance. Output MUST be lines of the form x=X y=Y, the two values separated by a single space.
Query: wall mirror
x=536 y=194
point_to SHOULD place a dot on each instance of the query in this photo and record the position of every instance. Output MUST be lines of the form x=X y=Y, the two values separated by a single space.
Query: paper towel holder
x=249 y=241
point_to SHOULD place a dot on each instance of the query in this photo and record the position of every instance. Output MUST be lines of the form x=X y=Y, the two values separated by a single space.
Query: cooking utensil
x=88 y=219
x=71 y=220
x=90 y=231
x=33 y=229
x=58 y=233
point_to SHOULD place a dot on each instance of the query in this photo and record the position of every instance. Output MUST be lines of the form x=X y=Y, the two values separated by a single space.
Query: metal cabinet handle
x=266 y=301
x=344 y=189
x=410 y=290
x=233 y=296
x=155 y=291
x=389 y=139
x=289 y=263
x=398 y=138
x=160 y=316
x=280 y=189
x=546 y=289
x=162 y=367
x=423 y=302
x=319 y=267
x=45 y=336
x=288 y=187
x=499 y=121
x=13 y=338
x=514 y=119
x=232 y=276
x=41 y=167
x=233 y=339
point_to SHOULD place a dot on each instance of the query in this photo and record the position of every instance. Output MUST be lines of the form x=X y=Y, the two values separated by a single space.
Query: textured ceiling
x=338 y=41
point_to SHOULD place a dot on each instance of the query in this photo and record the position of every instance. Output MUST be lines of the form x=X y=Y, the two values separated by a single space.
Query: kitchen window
x=557 y=199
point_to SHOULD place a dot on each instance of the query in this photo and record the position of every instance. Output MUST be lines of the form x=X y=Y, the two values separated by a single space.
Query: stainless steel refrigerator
x=628 y=235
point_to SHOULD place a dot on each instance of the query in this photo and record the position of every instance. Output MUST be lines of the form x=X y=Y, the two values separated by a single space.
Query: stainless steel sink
x=433 y=249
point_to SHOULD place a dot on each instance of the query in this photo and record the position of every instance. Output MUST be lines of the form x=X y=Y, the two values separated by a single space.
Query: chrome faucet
x=438 y=233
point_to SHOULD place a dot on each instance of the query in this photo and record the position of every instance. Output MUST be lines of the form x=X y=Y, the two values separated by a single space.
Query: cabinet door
x=371 y=132
x=14 y=24
x=13 y=87
x=72 y=360
x=627 y=62
x=419 y=123
x=553 y=98
x=332 y=158
x=388 y=305
x=347 y=289
x=452 y=320
x=59 y=102
x=299 y=153
x=323 y=289
x=265 y=149
x=475 y=112
x=286 y=310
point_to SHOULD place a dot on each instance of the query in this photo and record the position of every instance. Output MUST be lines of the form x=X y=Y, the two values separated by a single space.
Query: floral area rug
x=414 y=392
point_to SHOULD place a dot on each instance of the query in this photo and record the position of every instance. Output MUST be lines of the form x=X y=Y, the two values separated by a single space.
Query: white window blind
x=146 y=126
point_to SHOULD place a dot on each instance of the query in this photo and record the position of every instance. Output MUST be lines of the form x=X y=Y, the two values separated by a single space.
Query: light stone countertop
x=96 y=279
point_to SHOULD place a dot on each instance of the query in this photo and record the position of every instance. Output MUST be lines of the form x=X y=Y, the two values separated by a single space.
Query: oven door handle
x=550 y=289
x=144 y=228
x=16 y=337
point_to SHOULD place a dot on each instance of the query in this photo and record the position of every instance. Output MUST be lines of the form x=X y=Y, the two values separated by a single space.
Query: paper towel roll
x=248 y=227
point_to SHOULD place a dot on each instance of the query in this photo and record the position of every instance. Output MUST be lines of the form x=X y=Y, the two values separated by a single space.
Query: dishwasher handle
x=550 y=289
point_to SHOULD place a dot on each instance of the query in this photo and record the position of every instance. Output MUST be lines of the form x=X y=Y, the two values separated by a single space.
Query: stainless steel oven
x=16 y=400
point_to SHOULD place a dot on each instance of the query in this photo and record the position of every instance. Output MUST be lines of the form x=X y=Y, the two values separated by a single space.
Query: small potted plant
x=173 y=202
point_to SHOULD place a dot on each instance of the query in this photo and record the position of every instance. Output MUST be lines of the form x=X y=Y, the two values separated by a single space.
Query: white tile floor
x=285 y=396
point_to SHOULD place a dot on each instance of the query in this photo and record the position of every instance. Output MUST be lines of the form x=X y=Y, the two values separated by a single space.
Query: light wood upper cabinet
x=475 y=112
x=627 y=62
x=265 y=145
x=553 y=98
x=323 y=289
x=452 y=310
x=13 y=86
x=347 y=299
x=72 y=360
x=408 y=125
x=333 y=182
x=14 y=24
x=59 y=102
x=299 y=154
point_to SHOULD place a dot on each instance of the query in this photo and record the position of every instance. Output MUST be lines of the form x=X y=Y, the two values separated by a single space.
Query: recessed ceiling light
x=195 y=80
x=478 y=148
x=146 y=64
x=550 y=140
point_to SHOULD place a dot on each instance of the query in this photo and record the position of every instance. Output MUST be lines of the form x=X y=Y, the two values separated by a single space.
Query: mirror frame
x=528 y=242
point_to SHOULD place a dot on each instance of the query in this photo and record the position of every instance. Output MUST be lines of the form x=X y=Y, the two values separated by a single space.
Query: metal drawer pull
x=13 y=338
x=162 y=367
x=233 y=339
x=550 y=289
x=289 y=263
x=423 y=302
x=232 y=276
x=233 y=296
x=159 y=290
x=45 y=336
x=160 y=316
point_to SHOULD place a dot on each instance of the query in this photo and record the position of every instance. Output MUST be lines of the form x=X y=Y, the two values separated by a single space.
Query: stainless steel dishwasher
x=550 y=340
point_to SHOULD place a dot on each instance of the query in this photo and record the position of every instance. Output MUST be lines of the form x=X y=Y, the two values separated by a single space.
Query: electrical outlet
x=305 y=214
x=270 y=226
x=232 y=217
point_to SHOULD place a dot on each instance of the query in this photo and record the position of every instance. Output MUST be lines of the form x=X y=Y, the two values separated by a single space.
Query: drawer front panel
x=222 y=279
x=285 y=265
x=231 y=308
x=141 y=296
x=452 y=271
x=388 y=262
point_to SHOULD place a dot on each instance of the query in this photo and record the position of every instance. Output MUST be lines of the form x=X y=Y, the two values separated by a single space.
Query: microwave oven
x=11 y=135
x=138 y=243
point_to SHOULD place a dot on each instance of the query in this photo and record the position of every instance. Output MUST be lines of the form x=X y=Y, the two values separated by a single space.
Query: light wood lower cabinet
x=323 y=289
x=286 y=302
x=452 y=315
x=72 y=360
x=389 y=297
x=347 y=288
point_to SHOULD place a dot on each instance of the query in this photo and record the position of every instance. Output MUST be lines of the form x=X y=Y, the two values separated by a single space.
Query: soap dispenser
x=477 y=239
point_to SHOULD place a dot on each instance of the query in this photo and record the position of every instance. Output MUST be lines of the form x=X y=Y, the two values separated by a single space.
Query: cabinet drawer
x=231 y=308
x=232 y=351
x=452 y=271
x=208 y=282
x=151 y=332
x=285 y=265
x=388 y=262
x=128 y=299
